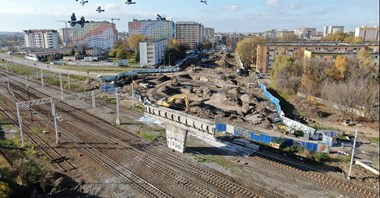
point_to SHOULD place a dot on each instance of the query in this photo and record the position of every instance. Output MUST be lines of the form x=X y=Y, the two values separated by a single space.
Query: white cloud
x=274 y=3
x=112 y=6
x=295 y=6
x=232 y=8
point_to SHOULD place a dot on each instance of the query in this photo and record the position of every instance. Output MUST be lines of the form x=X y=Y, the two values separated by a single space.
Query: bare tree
x=357 y=96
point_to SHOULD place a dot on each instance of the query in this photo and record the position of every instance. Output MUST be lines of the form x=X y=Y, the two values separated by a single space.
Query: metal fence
x=268 y=139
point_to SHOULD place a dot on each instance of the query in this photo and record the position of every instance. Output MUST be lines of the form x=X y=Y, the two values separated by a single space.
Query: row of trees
x=247 y=47
x=128 y=48
x=352 y=82
x=344 y=37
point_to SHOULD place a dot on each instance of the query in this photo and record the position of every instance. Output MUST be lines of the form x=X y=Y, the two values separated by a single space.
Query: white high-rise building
x=41 y=38
x=101 y=35
x=67 y=36
x=153 y=29
x=152 y=52
x=332 y=29
x=190 y=33
x=368 y=33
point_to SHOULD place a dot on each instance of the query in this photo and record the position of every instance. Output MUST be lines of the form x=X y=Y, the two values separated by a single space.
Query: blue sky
x=223 y=15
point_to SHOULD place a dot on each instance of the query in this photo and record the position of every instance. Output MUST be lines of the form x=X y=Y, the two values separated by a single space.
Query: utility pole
x=42 y=77
x=117 y=109
x=55 y=121
x=68 y=78
x=60 y=84
x=20 y=124
x=352 y=155
x=26 y=81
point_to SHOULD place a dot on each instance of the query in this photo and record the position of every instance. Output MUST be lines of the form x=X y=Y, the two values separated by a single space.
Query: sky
x=222 y=15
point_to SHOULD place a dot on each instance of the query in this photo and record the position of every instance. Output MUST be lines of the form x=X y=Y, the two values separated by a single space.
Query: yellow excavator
x=167 y=102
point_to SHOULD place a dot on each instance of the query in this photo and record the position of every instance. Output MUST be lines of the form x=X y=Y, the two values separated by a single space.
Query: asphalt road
x=48 y=67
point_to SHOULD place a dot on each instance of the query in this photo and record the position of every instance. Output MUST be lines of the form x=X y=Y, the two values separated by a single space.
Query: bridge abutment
x=176 y=137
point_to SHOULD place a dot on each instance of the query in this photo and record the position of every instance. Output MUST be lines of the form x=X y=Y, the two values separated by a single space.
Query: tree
x=176 y=49
x=121 y=53
x=286 y=74
x=364 y=57
x=337 y=37
x=71 y=51
x=354 y=40
x=362 y=66
x=312 y=76
x=134 y=41
x=112 y=53
x=288 y=37
x=360 y=94
x=339 y=70
x=4 y=190
x=247 y=49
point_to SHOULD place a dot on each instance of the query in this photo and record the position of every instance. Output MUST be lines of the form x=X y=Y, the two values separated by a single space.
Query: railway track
x=325 y=180
x=211 y=179
x=55 y=157
x=228 y=186
x=135 y=181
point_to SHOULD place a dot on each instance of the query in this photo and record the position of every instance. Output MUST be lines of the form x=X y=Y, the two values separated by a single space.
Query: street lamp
x=169 y=58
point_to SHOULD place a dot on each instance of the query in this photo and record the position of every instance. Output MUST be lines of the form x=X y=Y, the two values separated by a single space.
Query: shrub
x=294 y=149
x=320 y=157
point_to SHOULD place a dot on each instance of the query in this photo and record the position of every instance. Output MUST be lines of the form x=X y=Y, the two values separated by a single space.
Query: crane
x=167 y=102
x=97 y=18
x=62 y=21
x=113 y=19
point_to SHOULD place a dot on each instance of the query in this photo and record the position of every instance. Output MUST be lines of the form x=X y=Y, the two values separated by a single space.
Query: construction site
x=213 y=89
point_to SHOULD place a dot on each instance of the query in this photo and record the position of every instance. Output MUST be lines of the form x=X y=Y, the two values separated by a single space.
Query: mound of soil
x=163 y=78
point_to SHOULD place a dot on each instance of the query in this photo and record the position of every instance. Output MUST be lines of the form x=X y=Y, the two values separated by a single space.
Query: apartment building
x=66 y=36
x=152 y=52
x=305 y=33
x=190 y=33
x=102 y=35
x=368 y=33
x=331 y=55
x=41 y=38
x=266 y=54
x=332 y=29
x=208 y=32
x=153 y=29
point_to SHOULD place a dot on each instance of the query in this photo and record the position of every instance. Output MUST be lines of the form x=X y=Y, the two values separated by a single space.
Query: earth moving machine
x=167 y=102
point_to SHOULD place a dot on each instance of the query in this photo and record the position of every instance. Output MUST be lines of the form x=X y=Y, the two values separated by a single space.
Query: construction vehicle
x=167 y=102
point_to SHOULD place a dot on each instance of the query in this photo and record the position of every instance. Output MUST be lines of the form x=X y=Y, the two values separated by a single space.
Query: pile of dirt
x=164 y=78
x=171 y=91
x=54 y=182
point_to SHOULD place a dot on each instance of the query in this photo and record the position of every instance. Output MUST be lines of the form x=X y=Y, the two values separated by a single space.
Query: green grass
x=220 y=160
x=152 y=136
x=374 y=140
x=286 y=96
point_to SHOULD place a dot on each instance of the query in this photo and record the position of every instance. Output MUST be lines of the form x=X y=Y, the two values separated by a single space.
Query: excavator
x=167 y=102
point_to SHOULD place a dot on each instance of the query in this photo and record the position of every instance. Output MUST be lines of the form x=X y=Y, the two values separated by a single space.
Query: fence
x=270 y=140
x=289 y=122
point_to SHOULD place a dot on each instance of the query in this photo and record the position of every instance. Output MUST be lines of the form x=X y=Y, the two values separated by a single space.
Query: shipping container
x=220 y=127
x=265 y=139
x=311 y=146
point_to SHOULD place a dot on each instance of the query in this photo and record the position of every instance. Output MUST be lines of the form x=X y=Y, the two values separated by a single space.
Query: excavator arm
x=166 y=102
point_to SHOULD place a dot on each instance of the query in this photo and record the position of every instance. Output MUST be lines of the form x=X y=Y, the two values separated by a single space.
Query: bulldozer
x=167 y=102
